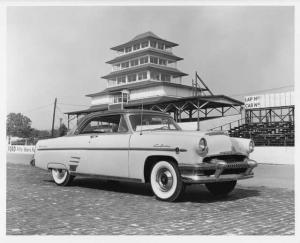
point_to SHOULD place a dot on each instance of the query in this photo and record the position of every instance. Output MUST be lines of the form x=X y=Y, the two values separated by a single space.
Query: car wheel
x=220 y=188
x=62 y=177
x=166 y=181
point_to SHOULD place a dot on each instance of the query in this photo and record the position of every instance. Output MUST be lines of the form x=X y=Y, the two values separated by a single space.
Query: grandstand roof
x=205 y=102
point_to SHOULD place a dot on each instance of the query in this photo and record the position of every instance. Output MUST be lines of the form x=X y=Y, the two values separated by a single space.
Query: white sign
x=20 y=149
x=252 y=102
x=269 y=100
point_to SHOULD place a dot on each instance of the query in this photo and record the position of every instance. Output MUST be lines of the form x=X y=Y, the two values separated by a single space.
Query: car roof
x=117 y=112
x=125 y=111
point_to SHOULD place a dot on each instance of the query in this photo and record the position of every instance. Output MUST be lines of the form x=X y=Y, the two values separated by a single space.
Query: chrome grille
x=227 y=158
x=236 y=165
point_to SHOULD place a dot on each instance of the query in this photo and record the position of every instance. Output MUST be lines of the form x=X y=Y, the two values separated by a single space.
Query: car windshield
x=75 y=126
x=72 y=130
x=151 y=122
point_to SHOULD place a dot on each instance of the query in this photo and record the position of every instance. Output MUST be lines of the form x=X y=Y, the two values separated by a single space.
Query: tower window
x=165 y=77
x=144 y=44
x=121 y=98
x=128 y=49
x=136 y=46
x=154 y=60
x=125 y=65
x=160 y=46
x=143 y=60
x=121 y=80
x=134 y=62
x=131 y=77
x=153 y=44
x=142 y=75
x=154 y=75
x=162 y=62
x=125 y=97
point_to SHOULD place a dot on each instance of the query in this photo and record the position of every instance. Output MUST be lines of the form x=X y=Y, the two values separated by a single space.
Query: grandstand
x=268 y=120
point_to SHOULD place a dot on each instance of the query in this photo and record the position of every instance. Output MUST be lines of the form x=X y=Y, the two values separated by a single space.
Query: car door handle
x=93 y=136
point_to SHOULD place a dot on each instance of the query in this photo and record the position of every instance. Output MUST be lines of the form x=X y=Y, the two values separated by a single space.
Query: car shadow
x=114 y=186
x=192 y=193
x=199 y=194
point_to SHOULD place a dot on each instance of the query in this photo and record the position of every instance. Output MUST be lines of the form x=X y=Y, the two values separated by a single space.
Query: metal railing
x=228 y=126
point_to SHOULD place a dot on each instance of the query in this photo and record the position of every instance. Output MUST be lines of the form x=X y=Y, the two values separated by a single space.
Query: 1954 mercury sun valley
x=148 y=147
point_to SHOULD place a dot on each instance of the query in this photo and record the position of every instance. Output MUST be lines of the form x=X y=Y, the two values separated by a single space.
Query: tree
x=18 y=125
x=62 y=130
x=41 y=133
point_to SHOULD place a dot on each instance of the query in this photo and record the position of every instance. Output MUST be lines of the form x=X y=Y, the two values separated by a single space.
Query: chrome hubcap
x=164 y=179
x=59 y=173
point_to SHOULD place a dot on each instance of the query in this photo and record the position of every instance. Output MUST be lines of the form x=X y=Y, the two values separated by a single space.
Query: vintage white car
x=148 y=147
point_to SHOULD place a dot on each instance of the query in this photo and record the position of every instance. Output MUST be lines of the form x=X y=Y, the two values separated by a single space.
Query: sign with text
x=252 y=102
x=20 y=149
x=269 y=100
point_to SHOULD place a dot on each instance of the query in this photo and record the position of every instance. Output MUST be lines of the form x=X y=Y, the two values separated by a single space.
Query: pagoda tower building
x=144 y=74
x=144 y=70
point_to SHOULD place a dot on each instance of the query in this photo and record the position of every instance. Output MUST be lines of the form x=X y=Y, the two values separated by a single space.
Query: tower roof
x=143 y=52
x=144 y=36
x=140 y=85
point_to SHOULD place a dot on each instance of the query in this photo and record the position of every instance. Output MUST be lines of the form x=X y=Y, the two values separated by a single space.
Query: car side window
x=105 y=124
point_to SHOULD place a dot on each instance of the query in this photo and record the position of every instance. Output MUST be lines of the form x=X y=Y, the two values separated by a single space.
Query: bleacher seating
x=267 y=134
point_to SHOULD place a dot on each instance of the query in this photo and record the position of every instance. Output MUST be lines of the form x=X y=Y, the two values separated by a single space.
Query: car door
x=107 y=153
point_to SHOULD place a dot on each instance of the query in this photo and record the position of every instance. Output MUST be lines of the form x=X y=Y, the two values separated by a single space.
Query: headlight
x=251 y=146
x=203 y=147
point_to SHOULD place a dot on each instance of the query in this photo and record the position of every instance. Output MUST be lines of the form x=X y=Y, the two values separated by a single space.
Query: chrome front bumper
x=197 y=173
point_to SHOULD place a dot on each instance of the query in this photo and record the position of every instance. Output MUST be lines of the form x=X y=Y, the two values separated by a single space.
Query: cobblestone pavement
x=35 y=205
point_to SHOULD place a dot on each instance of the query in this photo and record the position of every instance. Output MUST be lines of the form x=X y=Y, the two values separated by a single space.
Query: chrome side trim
x=176 y=150
x=106 y=177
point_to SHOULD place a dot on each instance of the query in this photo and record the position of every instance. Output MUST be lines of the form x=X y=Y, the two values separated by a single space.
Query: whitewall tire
x=166 y=181
x=61 y=177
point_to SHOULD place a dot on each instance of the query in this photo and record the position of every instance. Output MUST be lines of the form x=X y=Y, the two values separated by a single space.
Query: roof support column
x=190 y=114
x=148 y=74
x=179 y=114
x=198 y=114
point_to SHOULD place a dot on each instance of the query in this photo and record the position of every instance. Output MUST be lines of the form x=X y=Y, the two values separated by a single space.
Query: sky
x=61 y=51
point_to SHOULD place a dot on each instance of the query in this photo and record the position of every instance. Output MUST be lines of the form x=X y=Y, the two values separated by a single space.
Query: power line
x=37 y=108
x=263 y=90
x=73 y=104
x=60 y=110
x=63 y=116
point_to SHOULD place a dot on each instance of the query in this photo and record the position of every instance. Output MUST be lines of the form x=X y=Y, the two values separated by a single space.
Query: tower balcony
x=142 y=77
x=134 y=46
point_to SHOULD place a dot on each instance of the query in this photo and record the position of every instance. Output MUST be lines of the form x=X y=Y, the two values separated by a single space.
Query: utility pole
x=198 y=115
x=52 y=131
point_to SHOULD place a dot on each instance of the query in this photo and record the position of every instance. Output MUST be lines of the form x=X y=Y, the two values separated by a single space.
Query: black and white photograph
x=155 y=119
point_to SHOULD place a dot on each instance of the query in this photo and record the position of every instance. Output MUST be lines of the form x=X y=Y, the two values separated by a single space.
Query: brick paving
x=36 y=206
